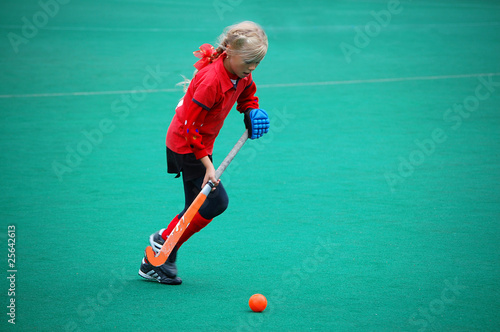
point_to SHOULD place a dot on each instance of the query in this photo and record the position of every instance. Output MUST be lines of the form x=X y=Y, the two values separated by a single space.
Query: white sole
x=147 y=276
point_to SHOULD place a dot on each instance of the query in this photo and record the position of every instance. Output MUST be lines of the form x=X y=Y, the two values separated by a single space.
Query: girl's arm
x=210 y=172
x=248 y=99
x=191 y=130
x=203 y=99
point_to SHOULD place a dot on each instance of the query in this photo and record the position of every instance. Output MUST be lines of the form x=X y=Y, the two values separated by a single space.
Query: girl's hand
x=209 y=173
x=257 y=122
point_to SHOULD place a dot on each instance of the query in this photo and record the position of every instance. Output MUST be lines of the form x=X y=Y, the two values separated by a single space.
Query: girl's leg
x=215 y=204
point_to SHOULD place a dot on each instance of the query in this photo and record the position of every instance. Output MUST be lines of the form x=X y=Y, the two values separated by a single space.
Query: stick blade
x=156 y=260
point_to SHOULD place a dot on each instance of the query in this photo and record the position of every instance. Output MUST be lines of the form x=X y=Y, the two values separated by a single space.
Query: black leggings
x=215 y=204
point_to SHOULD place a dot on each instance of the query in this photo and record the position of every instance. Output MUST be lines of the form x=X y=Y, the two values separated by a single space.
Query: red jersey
x=200 y=114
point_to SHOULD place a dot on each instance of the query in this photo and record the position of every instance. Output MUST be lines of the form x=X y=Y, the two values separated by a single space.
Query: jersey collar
x=224 y=75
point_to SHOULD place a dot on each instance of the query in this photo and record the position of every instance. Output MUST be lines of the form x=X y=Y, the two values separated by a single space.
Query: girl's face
x=236 y=64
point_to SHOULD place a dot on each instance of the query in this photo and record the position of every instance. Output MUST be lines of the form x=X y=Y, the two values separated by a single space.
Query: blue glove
x=257 y=122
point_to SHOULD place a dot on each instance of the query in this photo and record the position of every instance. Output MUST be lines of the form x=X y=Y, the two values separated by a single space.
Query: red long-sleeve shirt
x=199 y=116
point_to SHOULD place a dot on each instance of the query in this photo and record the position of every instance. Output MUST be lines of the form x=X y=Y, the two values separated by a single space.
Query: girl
x=223 y=77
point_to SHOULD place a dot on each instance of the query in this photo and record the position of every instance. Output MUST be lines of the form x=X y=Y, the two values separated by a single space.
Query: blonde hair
x=246 y=39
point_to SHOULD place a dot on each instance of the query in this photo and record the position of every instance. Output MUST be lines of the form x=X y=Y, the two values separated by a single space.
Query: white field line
x=377 y=80
x=260 y=86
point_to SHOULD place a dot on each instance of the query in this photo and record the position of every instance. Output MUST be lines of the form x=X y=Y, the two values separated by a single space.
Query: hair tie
x=206 y=54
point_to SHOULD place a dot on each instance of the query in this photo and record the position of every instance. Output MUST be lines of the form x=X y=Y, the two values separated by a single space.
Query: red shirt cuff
x=200 y=153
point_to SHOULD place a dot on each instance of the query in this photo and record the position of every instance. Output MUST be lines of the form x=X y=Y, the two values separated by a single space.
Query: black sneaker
x=150 y=272
x=156 y=242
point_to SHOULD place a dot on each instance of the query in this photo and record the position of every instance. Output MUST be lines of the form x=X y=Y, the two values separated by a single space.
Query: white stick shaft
x=230 y=156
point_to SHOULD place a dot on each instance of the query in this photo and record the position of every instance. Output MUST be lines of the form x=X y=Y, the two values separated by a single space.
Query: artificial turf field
x=373 y=203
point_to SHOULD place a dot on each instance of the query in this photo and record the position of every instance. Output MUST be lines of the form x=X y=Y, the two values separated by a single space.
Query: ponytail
x=246 y=39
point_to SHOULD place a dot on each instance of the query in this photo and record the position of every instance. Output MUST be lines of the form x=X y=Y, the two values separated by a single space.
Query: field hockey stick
x=175 y=235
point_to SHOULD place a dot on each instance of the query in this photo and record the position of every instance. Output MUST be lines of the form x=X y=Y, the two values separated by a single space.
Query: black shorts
x=190 y=167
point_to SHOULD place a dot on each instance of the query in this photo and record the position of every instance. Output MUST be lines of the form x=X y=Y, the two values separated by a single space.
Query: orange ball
x=257 y=302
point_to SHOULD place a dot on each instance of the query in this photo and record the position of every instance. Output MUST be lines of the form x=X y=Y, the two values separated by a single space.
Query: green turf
x=326 y=217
